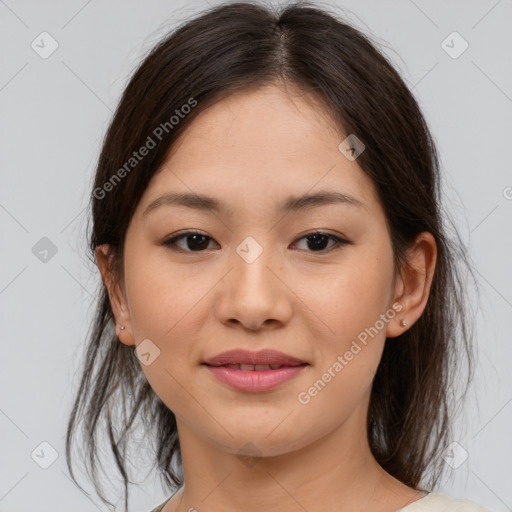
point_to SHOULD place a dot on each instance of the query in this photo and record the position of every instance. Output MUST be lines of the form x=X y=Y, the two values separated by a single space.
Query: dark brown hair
x=234 y=47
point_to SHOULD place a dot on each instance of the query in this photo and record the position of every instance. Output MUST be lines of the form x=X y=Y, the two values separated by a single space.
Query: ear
x=116 y=294
x=412 y=287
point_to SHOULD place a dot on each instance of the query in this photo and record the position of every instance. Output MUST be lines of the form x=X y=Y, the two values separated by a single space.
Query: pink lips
x=225 y=367
x=257 y=380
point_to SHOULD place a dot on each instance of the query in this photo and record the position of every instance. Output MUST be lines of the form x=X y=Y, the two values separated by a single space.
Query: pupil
x=196 y=237
x=318 y=239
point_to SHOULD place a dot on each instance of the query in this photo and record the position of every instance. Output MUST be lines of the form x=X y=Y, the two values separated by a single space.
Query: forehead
x=247 y=123
x=261 y=145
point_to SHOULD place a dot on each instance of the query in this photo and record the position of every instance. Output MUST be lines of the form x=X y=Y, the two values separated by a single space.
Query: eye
x=195 y=241
x=317 y=240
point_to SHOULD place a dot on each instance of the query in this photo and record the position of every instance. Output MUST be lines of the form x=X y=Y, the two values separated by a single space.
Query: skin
x=253 y=150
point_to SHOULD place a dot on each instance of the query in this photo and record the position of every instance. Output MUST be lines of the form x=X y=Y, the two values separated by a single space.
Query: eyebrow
x=291 y=204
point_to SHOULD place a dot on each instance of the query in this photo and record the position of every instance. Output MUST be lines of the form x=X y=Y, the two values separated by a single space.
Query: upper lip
x=241 y=356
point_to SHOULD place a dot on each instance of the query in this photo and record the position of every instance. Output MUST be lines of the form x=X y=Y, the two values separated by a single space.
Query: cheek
x=351 y=296
x=353 y=333
x=161 y=301
x=162 y=296
x=349 y=341
x=167 y=306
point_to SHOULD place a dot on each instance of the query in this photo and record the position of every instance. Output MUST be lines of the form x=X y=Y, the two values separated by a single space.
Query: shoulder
x=439 y=502
x=161 y=506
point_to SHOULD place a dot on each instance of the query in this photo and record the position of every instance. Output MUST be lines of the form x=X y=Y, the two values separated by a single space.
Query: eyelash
x=171 y=242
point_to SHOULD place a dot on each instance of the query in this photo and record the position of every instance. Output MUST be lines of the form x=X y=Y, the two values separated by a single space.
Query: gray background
x=55 y=112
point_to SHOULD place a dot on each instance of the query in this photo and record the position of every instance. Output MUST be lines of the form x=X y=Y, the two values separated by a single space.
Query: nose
x=254 y=293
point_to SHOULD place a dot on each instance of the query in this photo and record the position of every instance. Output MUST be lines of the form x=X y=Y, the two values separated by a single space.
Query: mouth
x=254 y=372
x=246 y=360
x=254 y=367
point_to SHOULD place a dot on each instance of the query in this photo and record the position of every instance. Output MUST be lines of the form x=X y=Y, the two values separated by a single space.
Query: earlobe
x=116 y=295
x=415 y=282
x=397 y=325
x=124 y=336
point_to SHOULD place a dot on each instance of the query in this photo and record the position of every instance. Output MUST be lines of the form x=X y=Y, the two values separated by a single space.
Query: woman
x=266 y=221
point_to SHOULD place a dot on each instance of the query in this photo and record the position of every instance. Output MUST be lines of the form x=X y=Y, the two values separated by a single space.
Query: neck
x=335 y=472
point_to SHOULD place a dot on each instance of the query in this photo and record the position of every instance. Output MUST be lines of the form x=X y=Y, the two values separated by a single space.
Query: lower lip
x=257 y=380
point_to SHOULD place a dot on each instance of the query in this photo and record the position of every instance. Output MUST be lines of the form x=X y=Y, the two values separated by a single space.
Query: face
x=253 y=275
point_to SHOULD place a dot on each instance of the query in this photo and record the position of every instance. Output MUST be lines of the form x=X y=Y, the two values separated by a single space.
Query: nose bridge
x=251 y=262
x=252 y=294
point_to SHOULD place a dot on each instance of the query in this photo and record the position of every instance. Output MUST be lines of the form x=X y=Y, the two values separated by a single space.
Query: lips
x=254 y=372
x=253 y=367
x=254 y=361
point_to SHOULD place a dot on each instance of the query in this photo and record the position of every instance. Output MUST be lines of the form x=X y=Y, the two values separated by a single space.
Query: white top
x=439 y=502
x=432 y=502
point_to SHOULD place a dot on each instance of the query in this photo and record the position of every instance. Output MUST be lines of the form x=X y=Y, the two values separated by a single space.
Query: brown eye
x=193 y=242
x=317 y=241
